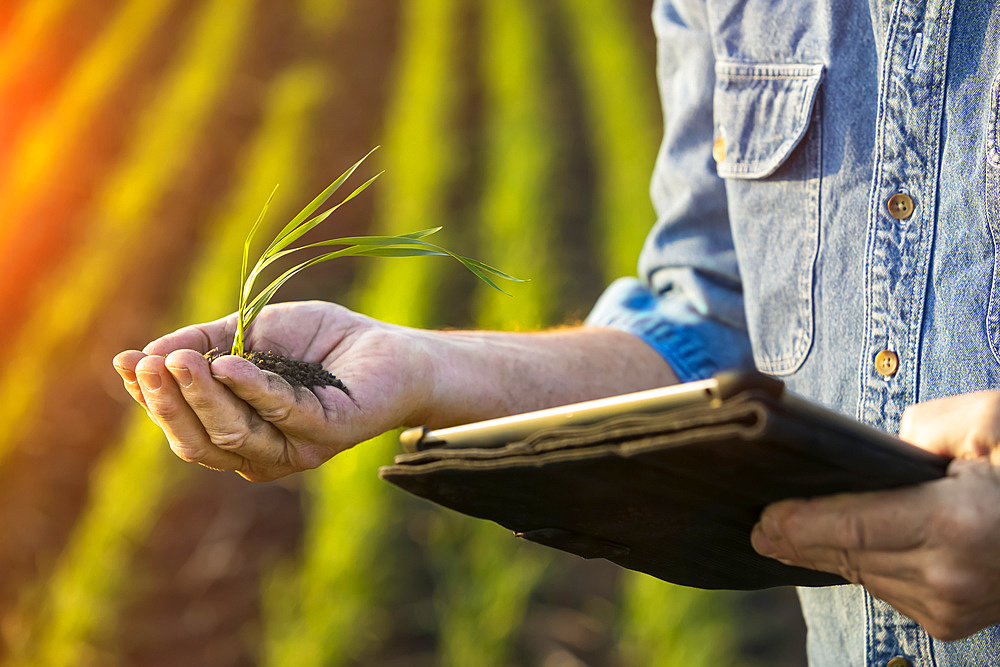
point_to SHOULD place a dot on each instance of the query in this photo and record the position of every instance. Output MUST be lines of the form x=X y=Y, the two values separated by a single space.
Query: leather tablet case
x=674 y=495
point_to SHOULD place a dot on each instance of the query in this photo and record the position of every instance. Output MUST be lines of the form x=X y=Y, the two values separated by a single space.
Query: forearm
x=480 y=375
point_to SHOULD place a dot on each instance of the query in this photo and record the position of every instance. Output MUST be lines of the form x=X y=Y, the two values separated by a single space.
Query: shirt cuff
x=696 y=346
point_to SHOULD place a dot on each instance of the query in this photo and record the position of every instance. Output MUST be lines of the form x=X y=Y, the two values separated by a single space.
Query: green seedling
x=403 y=245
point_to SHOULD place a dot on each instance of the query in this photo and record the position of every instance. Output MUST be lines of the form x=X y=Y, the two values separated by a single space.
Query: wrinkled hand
x=232 y=416
x=932 y=551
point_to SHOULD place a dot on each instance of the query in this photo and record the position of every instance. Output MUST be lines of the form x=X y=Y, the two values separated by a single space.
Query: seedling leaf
x=308 y=225
x=317 y=202
x=403 y=245
x=241 y=325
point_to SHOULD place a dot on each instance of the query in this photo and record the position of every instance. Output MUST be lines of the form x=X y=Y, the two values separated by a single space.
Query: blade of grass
x=289 y=233
x=253 y=231
x=422 y=233
x=268 y=292
x=275 y=250
x=317 y=202
x=397 y=252
x=240 y=332
x=310 y=224
x=409 y=245
x=401 y=239
x=471 y=264
x=407 y=240
x=261 y=300
x=479 y=269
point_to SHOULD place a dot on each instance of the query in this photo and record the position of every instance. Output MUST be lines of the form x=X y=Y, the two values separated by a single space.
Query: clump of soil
x=297 y=373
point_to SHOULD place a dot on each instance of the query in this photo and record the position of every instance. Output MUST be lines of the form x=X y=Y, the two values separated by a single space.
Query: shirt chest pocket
x=768 y=148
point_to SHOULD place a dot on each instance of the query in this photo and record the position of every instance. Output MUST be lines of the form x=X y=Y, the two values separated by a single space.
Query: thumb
x=965 y=426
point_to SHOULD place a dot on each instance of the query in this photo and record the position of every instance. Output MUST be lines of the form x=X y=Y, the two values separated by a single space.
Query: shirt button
x=899 y=662
x=900 y=206
x=887 y=363
x=719 y=150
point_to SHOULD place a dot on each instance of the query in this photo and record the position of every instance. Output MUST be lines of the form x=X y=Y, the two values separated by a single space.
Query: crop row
x=479 y=147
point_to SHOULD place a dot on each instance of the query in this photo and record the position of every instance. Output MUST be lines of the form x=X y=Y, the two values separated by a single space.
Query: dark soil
x=297 y=373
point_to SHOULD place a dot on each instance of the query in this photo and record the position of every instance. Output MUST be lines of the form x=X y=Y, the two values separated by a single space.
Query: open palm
x=230 y=415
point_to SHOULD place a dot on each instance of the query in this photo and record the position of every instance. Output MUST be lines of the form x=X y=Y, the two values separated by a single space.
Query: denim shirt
x=789 y=127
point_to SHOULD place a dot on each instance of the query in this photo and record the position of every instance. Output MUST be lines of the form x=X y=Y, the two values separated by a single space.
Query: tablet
x=669 y=482
x=504 y=430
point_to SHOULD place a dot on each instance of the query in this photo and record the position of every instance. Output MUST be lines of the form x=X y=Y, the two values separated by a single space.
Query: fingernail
x=182 y=375
x=126 y=374
x=768 y=521
x=150 y=381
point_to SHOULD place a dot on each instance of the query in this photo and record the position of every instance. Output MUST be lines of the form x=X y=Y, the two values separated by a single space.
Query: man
x=828 y=193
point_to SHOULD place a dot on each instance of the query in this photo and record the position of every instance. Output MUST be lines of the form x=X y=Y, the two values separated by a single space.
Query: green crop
x=403 y=245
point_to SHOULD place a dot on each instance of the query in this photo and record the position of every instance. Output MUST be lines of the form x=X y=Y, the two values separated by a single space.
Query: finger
x=965 y=467
x=200 y=337
x=878 y=521
x=966 y=426
x=856 y=566
x=231 y=423
x=900 y=578
x=185 y=433
x=125 y=363
x=298 y=413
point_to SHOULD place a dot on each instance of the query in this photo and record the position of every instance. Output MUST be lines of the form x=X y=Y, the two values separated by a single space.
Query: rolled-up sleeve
x=687 y=302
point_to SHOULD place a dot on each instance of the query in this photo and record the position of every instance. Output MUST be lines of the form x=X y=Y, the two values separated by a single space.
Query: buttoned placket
x=901 y=220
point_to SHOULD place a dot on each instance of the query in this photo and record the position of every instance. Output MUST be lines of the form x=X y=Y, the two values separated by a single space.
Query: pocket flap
x=762 y=111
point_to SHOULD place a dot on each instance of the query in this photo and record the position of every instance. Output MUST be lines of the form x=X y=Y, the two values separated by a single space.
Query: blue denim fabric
x=780 y=250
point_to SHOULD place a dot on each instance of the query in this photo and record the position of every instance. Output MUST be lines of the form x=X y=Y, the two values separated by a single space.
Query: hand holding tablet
x=669 y=482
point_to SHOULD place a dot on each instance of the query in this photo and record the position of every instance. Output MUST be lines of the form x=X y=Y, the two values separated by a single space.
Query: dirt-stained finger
x=168 y=408
x=231 y=424
x=297 y=412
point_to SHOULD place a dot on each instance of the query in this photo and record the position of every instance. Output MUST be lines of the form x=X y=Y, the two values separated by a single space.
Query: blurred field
x=138 y=139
